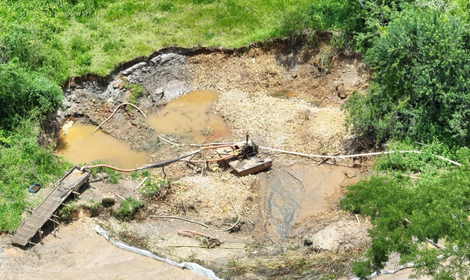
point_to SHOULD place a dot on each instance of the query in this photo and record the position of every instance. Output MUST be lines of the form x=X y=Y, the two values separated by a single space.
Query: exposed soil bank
x=242 y=78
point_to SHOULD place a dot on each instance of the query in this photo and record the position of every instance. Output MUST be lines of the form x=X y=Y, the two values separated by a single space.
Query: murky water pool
x=79 y=144
x=186 y=117
x=297 y=192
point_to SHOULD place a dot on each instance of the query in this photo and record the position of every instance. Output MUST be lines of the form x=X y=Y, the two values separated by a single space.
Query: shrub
x=112 y=175
x=128 y=208
x=22 y=163
x=421 y=81
x=320 y=16
x=22 y=92
x=152 y=186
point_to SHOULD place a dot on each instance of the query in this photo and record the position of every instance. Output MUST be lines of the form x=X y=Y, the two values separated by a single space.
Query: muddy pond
x=187 y=118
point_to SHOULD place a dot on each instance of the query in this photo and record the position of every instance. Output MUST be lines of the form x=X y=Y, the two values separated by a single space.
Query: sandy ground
x=80 y=253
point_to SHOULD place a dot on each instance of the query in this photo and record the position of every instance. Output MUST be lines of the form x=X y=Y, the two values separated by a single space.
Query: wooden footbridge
x=70 y=183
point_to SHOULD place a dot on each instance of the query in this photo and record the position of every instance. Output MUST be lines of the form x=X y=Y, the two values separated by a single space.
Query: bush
x=22 y=92
x=128 y=208
x=152 y=186
x=320 y=16
x=421 y=81
x=405 y=214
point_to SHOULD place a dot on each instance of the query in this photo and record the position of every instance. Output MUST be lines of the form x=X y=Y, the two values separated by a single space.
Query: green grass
x=61 y=39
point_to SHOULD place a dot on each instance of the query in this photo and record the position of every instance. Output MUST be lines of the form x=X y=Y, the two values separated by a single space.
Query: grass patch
x=152 y=186
x=63 y=38
x=137 y=92
x=22 y=163
x=108 y=174
x=302 y=263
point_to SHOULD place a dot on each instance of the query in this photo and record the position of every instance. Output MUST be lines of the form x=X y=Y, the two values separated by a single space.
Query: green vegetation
x=152 y=186
x=109 y=174
x=137 y=92
x=419 y=54
x=128 y=208
x=66 y=211
x=43 y=43
x=407 y=213
x=420 y=89
x=23 y=163
x=65 y=38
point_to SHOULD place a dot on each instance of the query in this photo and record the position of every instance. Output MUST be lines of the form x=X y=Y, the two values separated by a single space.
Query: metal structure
x=70 y=183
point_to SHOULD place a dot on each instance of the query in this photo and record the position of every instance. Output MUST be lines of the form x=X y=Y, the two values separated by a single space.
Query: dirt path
x=79 y=253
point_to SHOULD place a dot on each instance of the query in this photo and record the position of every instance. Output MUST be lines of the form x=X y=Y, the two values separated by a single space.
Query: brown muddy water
x=297 y=192
x=187 y=118
x=79 y=144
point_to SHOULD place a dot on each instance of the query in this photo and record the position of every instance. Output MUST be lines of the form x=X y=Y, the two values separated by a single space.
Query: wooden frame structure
x=70 y=183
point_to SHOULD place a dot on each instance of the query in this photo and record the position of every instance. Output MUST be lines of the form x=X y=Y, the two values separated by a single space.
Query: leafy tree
x=375 y=16
x=406 y=216
x=421 y=80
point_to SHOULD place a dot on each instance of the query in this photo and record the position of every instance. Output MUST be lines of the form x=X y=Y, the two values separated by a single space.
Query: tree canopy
x=421 y=80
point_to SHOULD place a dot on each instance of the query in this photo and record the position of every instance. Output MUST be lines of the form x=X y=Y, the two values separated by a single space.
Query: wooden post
x=40 y=236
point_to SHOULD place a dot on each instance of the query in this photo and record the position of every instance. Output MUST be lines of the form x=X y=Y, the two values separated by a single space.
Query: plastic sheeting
x=194 y=267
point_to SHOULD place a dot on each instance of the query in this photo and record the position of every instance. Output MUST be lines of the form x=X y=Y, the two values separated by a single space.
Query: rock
x=350 y=174
x=341 y=92
x=175 y=89
x=133 y=68
x=327 y=238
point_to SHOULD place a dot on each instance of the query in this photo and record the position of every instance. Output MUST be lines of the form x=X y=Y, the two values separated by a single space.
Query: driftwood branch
x=115 y=110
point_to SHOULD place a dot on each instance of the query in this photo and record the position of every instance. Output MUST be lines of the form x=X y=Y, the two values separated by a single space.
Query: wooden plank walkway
x=71 y=182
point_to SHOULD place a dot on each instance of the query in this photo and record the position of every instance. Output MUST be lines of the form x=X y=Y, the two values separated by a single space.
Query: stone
x=350 y=174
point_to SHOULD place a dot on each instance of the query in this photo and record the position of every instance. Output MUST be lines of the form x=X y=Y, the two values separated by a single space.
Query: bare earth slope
x=80 y=253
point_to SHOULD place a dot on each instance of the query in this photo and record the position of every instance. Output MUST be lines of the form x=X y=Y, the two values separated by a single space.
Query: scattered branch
x=200 y=223
x=115 y=110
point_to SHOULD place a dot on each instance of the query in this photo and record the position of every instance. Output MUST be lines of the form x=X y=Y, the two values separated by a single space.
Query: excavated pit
x=284 y=97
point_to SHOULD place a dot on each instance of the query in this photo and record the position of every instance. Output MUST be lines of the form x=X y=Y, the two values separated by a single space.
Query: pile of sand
x=283 y=123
